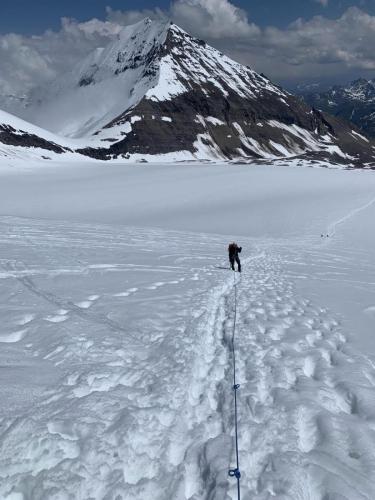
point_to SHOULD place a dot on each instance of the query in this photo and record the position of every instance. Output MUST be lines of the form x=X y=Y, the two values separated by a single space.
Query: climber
x=233 y=251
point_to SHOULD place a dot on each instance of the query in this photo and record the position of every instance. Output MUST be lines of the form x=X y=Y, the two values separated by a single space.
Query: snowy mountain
x=19 y=138
x=158 y=93
x=108 y=81
x=354 y=102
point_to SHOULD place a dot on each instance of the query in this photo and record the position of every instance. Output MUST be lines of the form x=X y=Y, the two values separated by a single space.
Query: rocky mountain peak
x=157 y=91
x=353 y=102
x=361 y=89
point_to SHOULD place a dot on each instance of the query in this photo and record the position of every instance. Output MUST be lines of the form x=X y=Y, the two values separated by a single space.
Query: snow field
x=116 y=409
x=304 y=407
x=115 y=340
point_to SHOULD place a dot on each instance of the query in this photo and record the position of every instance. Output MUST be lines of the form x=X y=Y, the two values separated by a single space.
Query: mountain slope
x=17 y=136
x=209 y=106
x=108 y=81
x=156 y=90
x=354 y=102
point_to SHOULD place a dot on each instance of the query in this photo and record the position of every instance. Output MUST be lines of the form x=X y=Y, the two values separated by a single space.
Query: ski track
x=143 y=407
x=331 y=231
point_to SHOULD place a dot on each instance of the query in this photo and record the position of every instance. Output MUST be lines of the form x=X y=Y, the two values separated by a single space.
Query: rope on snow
x=236 y=471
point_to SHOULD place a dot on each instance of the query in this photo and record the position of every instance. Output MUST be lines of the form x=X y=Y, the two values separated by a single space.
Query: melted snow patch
x=173 y=157
x=103 y=138
x=355 y=134
x=250 y=143
x=332 y=149
x=306 y=136
x=206 y=148
x=200 y=119
x=214 y=121
x=281 y=149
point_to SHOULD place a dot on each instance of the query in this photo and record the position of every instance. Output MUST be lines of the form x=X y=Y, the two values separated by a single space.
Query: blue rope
x=235 y=472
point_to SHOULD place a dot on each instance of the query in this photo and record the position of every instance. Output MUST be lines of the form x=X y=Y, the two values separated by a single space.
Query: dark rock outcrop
x=21 y=138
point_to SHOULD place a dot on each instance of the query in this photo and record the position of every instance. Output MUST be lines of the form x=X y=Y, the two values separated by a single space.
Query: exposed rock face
x=354 y=102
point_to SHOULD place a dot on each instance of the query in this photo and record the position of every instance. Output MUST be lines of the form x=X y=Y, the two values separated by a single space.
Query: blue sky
x=35 y=16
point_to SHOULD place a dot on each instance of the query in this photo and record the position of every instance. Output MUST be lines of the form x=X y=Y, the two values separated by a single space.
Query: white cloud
x=30 y=61
x=21 y=65
x=128 y=17
x=348 y=40
x=213 y=18
x=316 y=48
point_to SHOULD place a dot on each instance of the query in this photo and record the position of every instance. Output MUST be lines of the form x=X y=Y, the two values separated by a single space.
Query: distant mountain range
x=354 y=102
x=158 y=93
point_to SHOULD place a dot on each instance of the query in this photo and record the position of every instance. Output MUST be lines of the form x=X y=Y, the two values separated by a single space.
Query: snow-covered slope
x=354 y=102
x=156 y=90
x=115 y=339
x=109 y=80
x=20 y=139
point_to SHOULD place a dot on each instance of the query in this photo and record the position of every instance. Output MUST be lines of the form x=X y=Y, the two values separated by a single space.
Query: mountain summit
x=156 y=90
x=109 y=80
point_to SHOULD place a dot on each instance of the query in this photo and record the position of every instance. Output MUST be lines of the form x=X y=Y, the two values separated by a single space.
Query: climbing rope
x=236 y=471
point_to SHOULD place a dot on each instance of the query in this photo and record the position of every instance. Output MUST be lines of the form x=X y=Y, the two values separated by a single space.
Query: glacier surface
x=117 y=309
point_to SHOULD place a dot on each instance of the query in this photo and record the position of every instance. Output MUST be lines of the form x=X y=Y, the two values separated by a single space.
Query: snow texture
x=117 y=310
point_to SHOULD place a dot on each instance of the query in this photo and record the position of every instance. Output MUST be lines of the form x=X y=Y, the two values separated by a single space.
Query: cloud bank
x=315 y=49
x=29 y=61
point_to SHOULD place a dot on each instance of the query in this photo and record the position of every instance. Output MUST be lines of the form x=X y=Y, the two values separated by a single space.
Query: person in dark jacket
x=233 y=251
